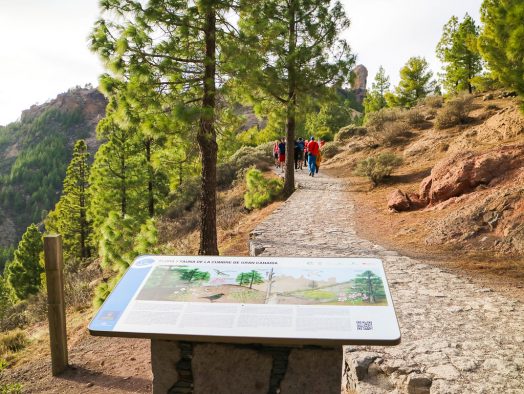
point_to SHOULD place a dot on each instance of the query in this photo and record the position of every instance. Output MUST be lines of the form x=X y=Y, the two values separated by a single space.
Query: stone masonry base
x=189 y=367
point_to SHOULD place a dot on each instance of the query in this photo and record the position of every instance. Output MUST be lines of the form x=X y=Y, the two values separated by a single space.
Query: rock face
x=463 y=172
x=460 y=174
x=359 y=85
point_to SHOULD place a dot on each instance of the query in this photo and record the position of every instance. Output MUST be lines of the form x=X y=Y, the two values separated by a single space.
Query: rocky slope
x=35 y=151
x=460 y=189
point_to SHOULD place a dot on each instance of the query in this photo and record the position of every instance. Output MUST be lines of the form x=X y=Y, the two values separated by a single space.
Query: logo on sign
x=143 y=262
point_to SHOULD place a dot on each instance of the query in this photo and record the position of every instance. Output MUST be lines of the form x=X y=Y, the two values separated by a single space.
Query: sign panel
x=280 y=300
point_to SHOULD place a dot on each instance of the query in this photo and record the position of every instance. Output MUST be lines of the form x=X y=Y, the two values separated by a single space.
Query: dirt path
x=457 y=337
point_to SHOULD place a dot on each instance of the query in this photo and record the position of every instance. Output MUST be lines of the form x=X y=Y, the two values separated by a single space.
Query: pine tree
x=23 y=274
x=118 y=176
x=291 y=50
x=458 y=50
x=415 y=83
x=376 y=97
x=5 y=296
x=174 y=72
x=70 y=215
x=502 y=41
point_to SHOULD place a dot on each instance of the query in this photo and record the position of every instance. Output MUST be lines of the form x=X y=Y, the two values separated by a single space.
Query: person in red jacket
x=313 y=150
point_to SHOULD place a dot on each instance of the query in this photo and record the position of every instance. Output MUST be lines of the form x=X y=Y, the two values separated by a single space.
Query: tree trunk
x=207 y=142
x=289 y=184
x=150 y=180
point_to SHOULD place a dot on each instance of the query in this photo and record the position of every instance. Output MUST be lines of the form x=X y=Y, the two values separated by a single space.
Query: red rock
x=398 y=201
x=463 y=172
x=425 y=188
x=415 y=202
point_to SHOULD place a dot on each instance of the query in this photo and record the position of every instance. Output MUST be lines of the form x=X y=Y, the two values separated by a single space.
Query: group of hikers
x=306 y=153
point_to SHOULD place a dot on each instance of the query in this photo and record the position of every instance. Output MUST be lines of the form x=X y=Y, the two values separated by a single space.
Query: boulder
x=398 y=201
x=464 y=172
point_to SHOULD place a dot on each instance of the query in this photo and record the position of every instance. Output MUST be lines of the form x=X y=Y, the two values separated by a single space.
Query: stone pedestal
x=190 y=367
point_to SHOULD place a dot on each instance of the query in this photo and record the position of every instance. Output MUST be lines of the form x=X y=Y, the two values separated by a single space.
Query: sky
x=44 y=43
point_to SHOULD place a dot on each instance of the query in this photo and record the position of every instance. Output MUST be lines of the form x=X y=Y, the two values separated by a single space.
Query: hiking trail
x=457 y=337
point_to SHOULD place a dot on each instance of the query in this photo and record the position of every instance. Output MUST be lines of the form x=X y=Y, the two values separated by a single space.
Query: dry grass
x=13 y=342
x=330 y=149
x=454 y=112
x=395 y=133
x=432 y=101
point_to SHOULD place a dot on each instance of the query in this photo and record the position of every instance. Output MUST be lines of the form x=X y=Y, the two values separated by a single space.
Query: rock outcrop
x=359 y=84
x=464 y=172
x=461 y=174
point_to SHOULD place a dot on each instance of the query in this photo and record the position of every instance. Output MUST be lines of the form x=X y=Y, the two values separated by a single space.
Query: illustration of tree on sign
x=192 y=275
x=371 y=285
x=252 y=278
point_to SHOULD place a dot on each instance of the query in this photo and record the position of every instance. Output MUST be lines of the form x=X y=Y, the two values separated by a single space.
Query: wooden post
x=55 y=302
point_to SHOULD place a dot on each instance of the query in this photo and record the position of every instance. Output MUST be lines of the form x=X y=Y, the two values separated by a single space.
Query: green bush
x=378 y=167
x=10 y=388
x=248 y=156
x=260 y=190
x=485 y=83
x=330 y=149
x=345 y=133
x=454 y=112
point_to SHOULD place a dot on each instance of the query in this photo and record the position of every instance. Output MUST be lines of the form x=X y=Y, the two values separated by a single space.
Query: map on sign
x=252 y=299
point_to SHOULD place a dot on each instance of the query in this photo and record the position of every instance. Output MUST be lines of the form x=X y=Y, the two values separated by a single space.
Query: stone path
x=456 y=336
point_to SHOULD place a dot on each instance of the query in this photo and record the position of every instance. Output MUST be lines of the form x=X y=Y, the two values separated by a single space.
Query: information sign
x=277 y=300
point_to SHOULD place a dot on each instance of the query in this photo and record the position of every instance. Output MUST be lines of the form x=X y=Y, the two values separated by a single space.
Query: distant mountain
x=35 y=152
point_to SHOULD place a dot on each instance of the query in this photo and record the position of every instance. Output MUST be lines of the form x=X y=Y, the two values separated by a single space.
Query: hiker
x=305 y=153
x=313 y=150
x=282 y=153
x=319 y=159
x=299 y=153
x=275 y=153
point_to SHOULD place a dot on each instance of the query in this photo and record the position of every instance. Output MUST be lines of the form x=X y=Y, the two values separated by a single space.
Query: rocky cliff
x=35 y=151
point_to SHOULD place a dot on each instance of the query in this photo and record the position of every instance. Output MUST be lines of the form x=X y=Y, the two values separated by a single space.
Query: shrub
x=345 y=133
x=260 y=191
x=330 y=149
x=12 y=342
x=414 y=117
x=248 y=156
x=14 y=317
x=454 y=112
x=10 y=388
x=432 y=101
x=266 y=148
x=394 y=133
x=485 y=82
x=378 y=167
x=324 y=135
x=376 y=120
